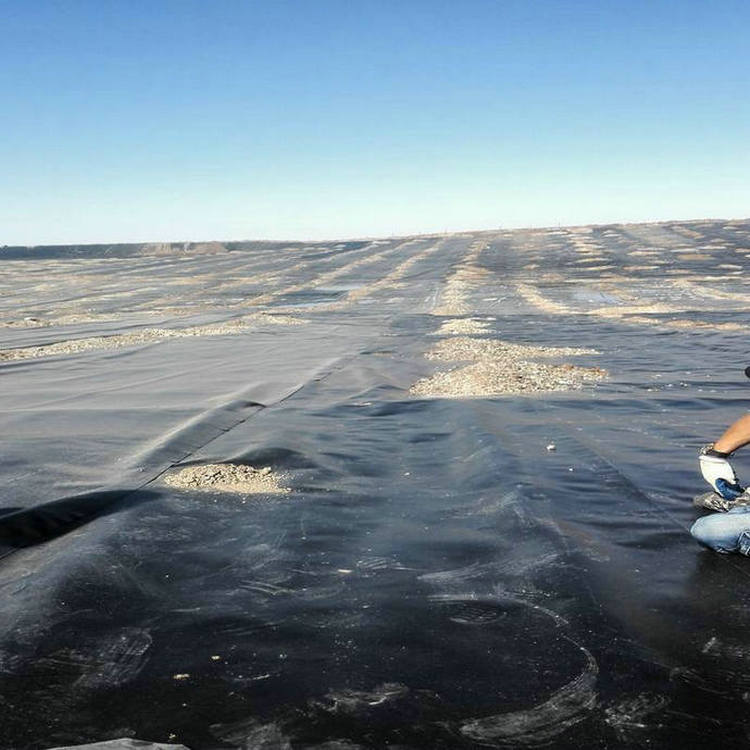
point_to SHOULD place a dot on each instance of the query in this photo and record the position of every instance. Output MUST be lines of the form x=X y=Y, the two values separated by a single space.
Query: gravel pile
x=501 y=368
x=466 y=349
x=462 y=326
x=235 y=478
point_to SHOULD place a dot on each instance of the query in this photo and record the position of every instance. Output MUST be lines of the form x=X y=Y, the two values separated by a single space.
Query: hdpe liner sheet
x=436 y=578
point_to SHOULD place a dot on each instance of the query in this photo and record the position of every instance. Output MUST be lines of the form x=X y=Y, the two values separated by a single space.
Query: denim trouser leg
x=725 y=532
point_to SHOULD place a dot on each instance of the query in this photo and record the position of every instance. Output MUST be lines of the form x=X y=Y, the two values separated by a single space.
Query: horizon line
x=372 y=238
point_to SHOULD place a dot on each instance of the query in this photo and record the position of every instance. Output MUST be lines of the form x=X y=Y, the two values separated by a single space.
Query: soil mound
x=235 y=478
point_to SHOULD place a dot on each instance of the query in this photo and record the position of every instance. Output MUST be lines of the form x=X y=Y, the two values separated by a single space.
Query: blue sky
x=158 y=120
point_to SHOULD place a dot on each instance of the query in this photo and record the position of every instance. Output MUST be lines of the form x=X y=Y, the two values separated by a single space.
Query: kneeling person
x=728 y=530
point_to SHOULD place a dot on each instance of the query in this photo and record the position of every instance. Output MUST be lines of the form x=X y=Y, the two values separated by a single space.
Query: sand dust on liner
x=148 y=336
x=465 y=349
x=390 y=281
x=627 y=314
x=502 y=368
x=462 y=325
x=236 y=478
x=454 y=299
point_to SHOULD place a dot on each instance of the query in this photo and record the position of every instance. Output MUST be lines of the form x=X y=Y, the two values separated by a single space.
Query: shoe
x=714 y=501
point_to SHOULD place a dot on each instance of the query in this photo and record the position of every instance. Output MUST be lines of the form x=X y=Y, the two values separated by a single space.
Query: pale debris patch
x=696 y=325
x=465 y=349
x=454 y=299
x=686 y=232
x=628 y=314
x=502 y=368
x=61 y=320
x=277 y=320
x=534 y=297
x=487 y=378
x=234 y=478
x=389 y=281
x=326 y=278
x=147 y=336
x=623 y=310
x=462 y=325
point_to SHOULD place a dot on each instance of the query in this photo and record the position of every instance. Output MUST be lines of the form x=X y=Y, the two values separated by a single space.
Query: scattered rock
x=462 y=325
x=149 y=336
x=502 y=368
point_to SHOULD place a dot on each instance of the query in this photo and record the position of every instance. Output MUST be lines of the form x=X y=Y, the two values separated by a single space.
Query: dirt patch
x=459 y=326
x=628 y=310
x=465 y=349
x=326 y=278
x=695 y=325
x=62 y=320
x=485 y=378
x=277 y=320
x=687 y=232
x=697 y=256
x=454 y=299
x=29 y=322
x=388 y=281
x=234 y=478
x=699 y=289
x=552 y=277
x=534 y=297
x=147 y=336
x=628 y=314
x=501 y=368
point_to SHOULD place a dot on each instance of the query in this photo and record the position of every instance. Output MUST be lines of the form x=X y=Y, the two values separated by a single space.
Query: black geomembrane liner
x=436 y=578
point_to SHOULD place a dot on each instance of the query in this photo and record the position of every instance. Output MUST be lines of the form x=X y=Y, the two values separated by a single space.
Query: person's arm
x=715 y=467
x=736 y=436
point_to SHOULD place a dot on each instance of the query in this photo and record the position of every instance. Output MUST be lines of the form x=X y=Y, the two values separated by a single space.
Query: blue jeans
x=725 y=532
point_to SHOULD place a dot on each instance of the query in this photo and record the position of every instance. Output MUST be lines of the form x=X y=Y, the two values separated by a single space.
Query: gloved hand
x=718 y=472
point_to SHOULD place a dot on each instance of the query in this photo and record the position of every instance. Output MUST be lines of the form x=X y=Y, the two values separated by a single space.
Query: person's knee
x=721 y=533
x=701 y=532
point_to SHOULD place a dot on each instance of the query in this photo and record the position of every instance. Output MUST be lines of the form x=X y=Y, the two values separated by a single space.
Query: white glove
x=718 y=472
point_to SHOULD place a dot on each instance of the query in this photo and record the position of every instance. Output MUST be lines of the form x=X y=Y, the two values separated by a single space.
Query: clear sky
x=175 y=119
